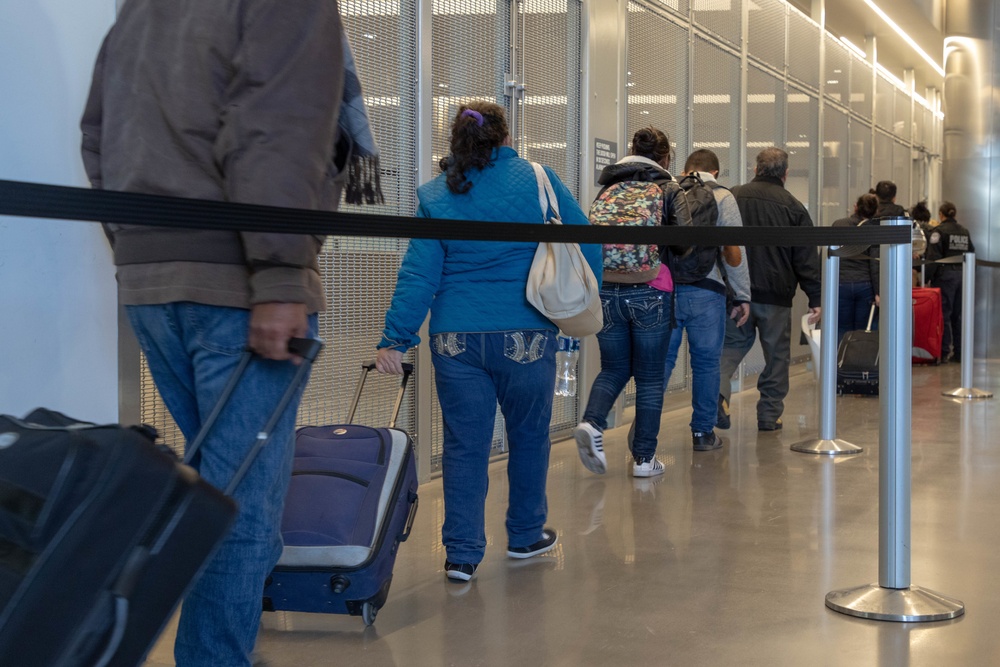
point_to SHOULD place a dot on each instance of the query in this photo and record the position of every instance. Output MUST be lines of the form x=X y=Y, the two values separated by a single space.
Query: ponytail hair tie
x=474 y=114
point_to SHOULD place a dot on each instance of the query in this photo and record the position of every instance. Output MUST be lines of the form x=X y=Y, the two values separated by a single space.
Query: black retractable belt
x=130 y=208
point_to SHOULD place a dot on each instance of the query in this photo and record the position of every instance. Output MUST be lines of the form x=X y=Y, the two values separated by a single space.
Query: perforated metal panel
x=766 y=40
x=861 y=87
x=548 y=38
x=902 y=115
x=360 y=274
x=902 y=165
x=885 y=100
x=882 y=158
x=860 y=169
x=721 y=18
x=549 y=44
x=837 y=86
x=803 y=148
x=804 y=38
x=716 y=108
x=657 y=95
x=836 y=199
x=765 y=125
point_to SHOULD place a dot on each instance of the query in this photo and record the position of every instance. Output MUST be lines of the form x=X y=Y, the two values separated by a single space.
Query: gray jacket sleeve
x=276 y=142
x=729 y=216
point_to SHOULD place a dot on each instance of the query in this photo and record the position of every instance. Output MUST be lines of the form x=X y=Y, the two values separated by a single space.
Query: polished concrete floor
x=725 y=560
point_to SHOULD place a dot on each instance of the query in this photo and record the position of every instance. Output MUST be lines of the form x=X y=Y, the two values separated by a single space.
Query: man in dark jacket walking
x=774 y=274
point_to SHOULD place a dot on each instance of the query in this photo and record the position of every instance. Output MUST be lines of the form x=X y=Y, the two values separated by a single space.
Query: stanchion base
x=967 y=392
x=906 y=605
x=832 y=447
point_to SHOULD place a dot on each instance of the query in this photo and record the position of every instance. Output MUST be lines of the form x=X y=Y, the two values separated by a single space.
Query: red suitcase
x=928 y=325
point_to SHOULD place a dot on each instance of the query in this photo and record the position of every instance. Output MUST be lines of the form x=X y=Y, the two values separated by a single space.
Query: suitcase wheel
x=368 y=613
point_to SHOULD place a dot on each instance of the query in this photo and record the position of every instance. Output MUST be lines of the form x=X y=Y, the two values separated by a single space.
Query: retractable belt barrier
x=129 y=208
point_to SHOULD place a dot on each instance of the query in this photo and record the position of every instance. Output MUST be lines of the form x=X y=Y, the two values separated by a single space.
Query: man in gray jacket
x=238 y=102
x=701 y=308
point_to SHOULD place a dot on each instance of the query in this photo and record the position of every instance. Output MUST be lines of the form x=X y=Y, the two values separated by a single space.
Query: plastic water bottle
x=566 y=357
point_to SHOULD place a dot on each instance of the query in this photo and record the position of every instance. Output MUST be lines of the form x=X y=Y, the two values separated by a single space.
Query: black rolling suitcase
x=351 y=501
x=101 y=534
x=857 y=361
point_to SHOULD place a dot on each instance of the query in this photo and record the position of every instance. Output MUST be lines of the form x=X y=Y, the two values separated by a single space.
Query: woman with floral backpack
x=638 y=191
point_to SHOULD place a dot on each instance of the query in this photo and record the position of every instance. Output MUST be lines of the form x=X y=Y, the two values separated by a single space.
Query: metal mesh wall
x=860 y=168
x=836 y=198
x=716 y=109
x=837 y=86
x=721 y=18
x=549 y=49
x=766 y=40
x=804 y=38
x=803 y=148
x=902 y=165
x=657 y=95
x=902 y=124
x=861 y=87
x=882 y=159
x=765 y=124
x=884 y=102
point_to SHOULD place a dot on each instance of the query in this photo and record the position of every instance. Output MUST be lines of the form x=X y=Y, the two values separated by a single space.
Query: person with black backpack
x=711 y=285
x=637 y=191
x=775 y=272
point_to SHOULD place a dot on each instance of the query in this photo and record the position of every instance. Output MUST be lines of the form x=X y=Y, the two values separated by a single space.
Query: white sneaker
x=648 y=468
x=590 y=445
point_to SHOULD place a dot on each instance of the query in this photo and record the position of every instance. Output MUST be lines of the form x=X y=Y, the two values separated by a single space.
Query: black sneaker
x=769 y=426
x=460 y=571
x=722 y=417
x=548 y=541
x=705 y=442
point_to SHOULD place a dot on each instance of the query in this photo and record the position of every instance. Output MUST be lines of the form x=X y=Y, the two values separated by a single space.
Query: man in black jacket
x=774 y=274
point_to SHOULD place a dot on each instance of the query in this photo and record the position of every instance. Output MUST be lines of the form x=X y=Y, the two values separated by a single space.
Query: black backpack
x=697 y=263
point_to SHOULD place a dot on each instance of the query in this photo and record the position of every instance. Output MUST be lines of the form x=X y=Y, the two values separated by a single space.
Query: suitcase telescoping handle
x=306 y=348
x=365 y=370
x=871 y=318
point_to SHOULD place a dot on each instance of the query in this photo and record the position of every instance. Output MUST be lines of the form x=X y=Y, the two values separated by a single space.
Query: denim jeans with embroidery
x=473 y=373
x=633 y=343
x=192 y=350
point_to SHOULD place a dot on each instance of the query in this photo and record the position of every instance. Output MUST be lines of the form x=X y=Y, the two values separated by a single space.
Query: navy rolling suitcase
x=101 y=534
x=351 y=501
x=857 y=361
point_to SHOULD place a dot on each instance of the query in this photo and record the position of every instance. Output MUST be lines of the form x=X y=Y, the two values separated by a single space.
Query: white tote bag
x=561 y=284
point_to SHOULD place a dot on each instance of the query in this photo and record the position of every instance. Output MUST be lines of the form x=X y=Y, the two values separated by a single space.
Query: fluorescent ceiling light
x=906 y=38
x=854 y=47
x=892 y=77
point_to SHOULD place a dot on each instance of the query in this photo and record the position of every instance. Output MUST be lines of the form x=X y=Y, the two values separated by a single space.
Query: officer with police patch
x=949 y=239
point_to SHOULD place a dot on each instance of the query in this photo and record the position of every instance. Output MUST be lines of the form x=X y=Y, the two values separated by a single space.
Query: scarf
x=364 y=184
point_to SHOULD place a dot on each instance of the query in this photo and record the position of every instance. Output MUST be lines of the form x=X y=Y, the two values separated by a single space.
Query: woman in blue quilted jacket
x=488 y=344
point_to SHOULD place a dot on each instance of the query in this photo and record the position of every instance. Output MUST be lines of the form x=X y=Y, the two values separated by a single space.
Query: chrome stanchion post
x=828 y=443
x=893 y=598
x=968 y=325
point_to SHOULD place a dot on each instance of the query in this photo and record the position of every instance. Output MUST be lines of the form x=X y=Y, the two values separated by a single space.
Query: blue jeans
x=473 y=372
x=633 y=343
x=853 y=308
x=192 y=350
x=703 y=313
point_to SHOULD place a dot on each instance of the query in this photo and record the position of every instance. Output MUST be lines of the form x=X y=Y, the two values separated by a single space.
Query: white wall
x=58 y=306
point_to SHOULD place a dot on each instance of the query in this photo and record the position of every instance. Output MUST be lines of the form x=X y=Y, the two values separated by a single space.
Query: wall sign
x=605 y=153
